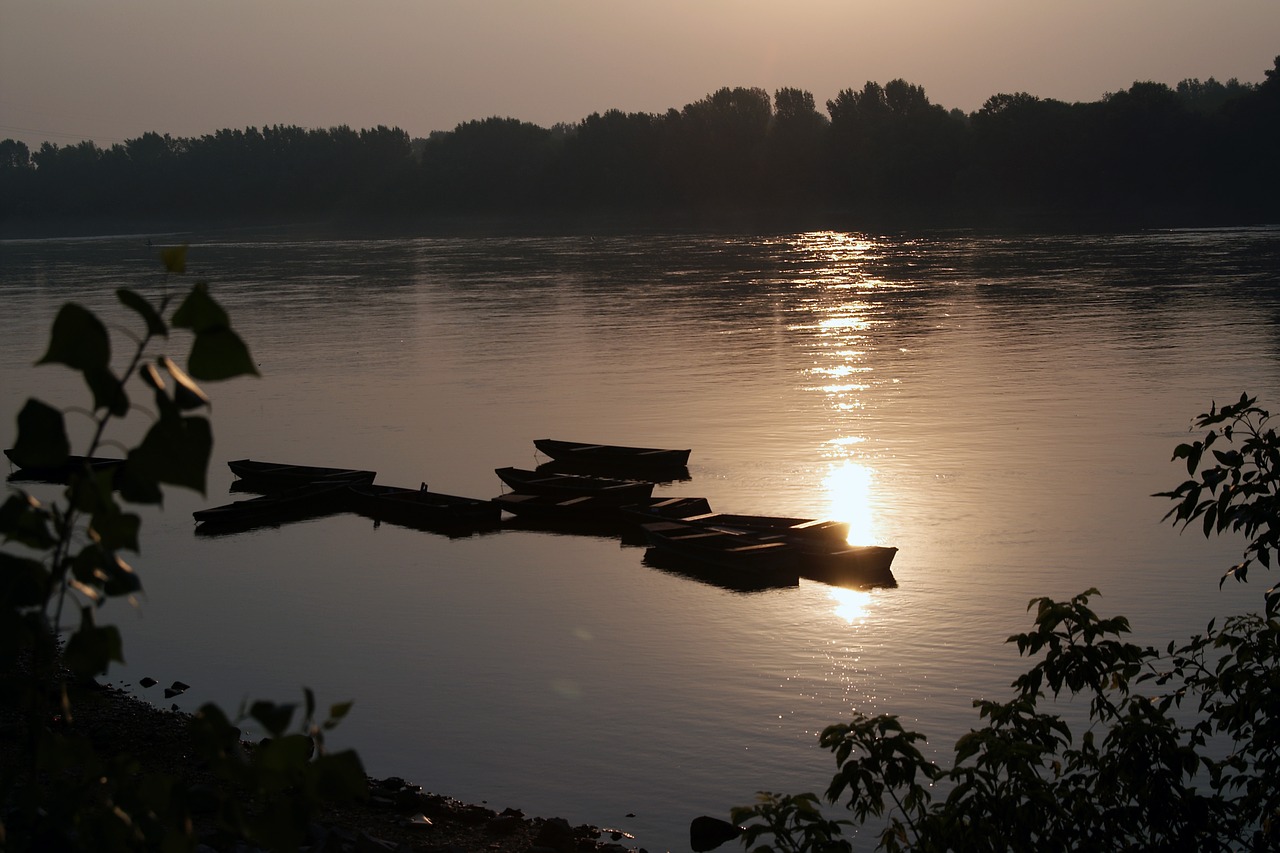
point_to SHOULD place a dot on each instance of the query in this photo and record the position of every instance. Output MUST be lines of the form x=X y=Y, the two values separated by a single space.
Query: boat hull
x=613 y=457
x=853 y=567
x=298 y=503
x=528 y=482
x=585 y=513
x=753 y=557
x=276 y=475
x=422 y=509
x=62 y=471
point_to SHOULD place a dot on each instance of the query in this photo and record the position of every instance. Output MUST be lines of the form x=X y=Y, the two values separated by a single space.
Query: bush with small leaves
x=1182 y=749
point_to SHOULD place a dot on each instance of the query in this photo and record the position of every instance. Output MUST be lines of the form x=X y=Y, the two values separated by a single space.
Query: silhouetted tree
x=614 y=161
x=720 y=142
x=1203 y=152
x=494 y=164
x=794 y=161
x=14 y=155
x=892 y=149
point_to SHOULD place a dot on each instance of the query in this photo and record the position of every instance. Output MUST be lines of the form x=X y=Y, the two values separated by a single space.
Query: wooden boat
x=801 y=529
x=797 y=529
x=309 y=500
x=272 y=475
x=421 y=508
x=822 y=551
x=574 y=485
x=855 y=566
x=580 y=507
x=612 y=457
x=62 y=471
x=753 y=556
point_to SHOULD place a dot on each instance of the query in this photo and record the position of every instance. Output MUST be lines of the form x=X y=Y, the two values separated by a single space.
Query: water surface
x=998 y=408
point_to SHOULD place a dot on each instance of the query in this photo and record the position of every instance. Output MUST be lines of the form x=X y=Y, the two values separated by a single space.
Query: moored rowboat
x=821 y=547
x=294 y=503
x=801 y=530
x=752 y=555
x=572 y=485
x=60 y=472
x=280 y=475
x=583 y=507
x=612 y=456
x=421 y=508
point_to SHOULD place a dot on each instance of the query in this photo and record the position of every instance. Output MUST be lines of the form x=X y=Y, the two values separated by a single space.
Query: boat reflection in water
x=712 y=575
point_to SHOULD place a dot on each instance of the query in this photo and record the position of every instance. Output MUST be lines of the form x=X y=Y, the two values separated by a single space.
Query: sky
x=112 y=70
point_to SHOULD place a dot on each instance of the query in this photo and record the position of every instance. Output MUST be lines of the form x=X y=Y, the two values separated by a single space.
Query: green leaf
x=23 y=582
x=115 y=529
x=91 y=649
x=286 y=755
x=42 y=437
x=199 y=312
x=175 y=450
x=79 y=340
x=152 y=378
x=155 y=323
x=108 y=393
x=174 y=259
x=136 y=486
x=274 y=718
x=186 y=393
x=219 y=353
x=340 y=776
x=24 y=520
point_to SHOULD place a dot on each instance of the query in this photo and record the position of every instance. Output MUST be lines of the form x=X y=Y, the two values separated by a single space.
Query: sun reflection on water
x=848 y=487
x=851 y=604
x=842 y=313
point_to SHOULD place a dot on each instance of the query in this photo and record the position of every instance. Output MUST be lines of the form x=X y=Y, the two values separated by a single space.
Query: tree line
x=1200 y=152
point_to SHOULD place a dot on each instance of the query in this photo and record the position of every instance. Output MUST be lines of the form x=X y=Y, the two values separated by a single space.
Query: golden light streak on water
x=848 y=486
x=851 y=604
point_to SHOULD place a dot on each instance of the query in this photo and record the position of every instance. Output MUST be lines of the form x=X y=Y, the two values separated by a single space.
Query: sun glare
x=848 y=487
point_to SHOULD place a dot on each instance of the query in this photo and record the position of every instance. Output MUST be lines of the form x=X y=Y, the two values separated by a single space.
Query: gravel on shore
x=396 y=817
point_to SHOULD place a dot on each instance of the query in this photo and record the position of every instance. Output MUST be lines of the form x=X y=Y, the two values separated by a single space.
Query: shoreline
x=397 y=816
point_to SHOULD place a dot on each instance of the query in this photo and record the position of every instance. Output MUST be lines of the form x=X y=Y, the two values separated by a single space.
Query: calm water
x=1000 y=409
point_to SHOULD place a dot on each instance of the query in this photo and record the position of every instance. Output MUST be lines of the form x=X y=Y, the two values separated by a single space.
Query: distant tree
x=614 y=160
x=67 y=179
x=796 y=143
x=1210 y=96
x=720 y=143
x=14 y=155
x=494 y=164
x=1151 y=147
x=892 y=149
x=1027 y=154
x=17 y=179
x=1204 y=152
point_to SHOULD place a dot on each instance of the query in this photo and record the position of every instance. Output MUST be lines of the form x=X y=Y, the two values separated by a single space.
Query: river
x=1000 y=408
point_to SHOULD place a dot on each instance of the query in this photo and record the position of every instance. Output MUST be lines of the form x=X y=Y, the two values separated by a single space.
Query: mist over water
x=999 y=408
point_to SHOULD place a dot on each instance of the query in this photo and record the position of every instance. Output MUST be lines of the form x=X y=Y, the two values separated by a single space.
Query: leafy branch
x=1182 y=748
x=64 y=794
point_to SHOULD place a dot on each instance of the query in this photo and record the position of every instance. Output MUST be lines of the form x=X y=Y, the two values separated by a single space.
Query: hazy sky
x=111 y=70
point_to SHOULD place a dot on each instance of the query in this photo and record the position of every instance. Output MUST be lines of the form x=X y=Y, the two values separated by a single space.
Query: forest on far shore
x=1198 y=153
